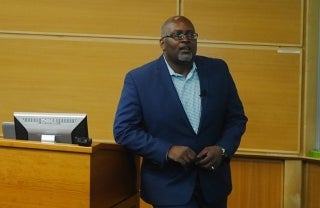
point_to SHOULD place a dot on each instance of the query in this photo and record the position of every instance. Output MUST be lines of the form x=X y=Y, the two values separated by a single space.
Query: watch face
x=223 y=151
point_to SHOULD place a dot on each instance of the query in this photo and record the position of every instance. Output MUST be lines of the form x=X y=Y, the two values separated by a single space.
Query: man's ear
x=161 y=42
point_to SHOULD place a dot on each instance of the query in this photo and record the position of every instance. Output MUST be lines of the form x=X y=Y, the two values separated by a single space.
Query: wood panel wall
x=265 y=187
x=269 y=83
x=255 y=22
x=72 y=56
x=94 y=17
x=311 y=184
x=68 y=76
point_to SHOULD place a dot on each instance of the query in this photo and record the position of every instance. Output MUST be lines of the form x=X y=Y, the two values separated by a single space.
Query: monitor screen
x=60 y=127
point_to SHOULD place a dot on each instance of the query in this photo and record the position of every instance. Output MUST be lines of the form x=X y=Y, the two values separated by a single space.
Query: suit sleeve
x=129 y=128
x=235 y=120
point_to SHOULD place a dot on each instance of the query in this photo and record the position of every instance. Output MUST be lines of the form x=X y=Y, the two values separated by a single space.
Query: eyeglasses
x=181 y=36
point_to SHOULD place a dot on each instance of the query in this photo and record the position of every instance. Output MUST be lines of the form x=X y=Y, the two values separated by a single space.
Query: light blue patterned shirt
x=188 y=89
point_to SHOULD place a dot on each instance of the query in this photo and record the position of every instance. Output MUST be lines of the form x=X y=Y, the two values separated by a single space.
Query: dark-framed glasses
x=181 y=36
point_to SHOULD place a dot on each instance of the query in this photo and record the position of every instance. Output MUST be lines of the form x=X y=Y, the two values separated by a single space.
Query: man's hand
x=182 y=155
x=210 y=157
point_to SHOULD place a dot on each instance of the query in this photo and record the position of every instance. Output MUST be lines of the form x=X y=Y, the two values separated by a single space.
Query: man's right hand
x=182 y=155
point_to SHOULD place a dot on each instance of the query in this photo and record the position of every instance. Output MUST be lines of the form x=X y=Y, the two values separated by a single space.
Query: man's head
x=178 y=40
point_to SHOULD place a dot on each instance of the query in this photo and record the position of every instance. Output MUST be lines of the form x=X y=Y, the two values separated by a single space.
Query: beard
x=185 y=57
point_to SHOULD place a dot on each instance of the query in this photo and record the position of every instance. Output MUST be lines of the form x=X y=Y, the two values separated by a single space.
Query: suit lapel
x=166 y=79
x=204 y=87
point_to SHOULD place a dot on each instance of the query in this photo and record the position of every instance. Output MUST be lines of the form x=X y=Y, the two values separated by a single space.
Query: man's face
x=179 y=51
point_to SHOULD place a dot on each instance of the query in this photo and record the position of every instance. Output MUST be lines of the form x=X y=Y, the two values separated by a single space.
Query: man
x=183 y=115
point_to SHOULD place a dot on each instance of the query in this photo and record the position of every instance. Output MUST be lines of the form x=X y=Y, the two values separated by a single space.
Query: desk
x=35 y=174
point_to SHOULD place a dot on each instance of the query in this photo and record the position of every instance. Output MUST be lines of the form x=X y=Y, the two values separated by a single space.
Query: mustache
x=185 y=48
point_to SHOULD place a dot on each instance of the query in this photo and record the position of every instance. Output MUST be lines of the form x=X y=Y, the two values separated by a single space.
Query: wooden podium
x=37 y=175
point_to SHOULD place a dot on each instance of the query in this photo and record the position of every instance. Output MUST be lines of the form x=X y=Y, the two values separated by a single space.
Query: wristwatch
x=223 y=152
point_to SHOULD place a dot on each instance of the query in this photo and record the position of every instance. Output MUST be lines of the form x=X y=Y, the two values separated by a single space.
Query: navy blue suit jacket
x=150 y=119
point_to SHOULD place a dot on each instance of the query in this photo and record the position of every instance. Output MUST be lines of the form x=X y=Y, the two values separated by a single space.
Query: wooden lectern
x=38 y=175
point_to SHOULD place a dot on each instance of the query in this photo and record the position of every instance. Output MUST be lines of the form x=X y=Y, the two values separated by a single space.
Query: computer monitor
x=54 y=127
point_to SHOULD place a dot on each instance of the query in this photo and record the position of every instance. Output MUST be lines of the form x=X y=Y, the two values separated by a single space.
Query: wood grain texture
x=84 y=76
x=269 y=85
x=112 y=17
x=311 y=184
x=257 y=183
x=68 y=76
x=252 y=21
x=36 y=175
